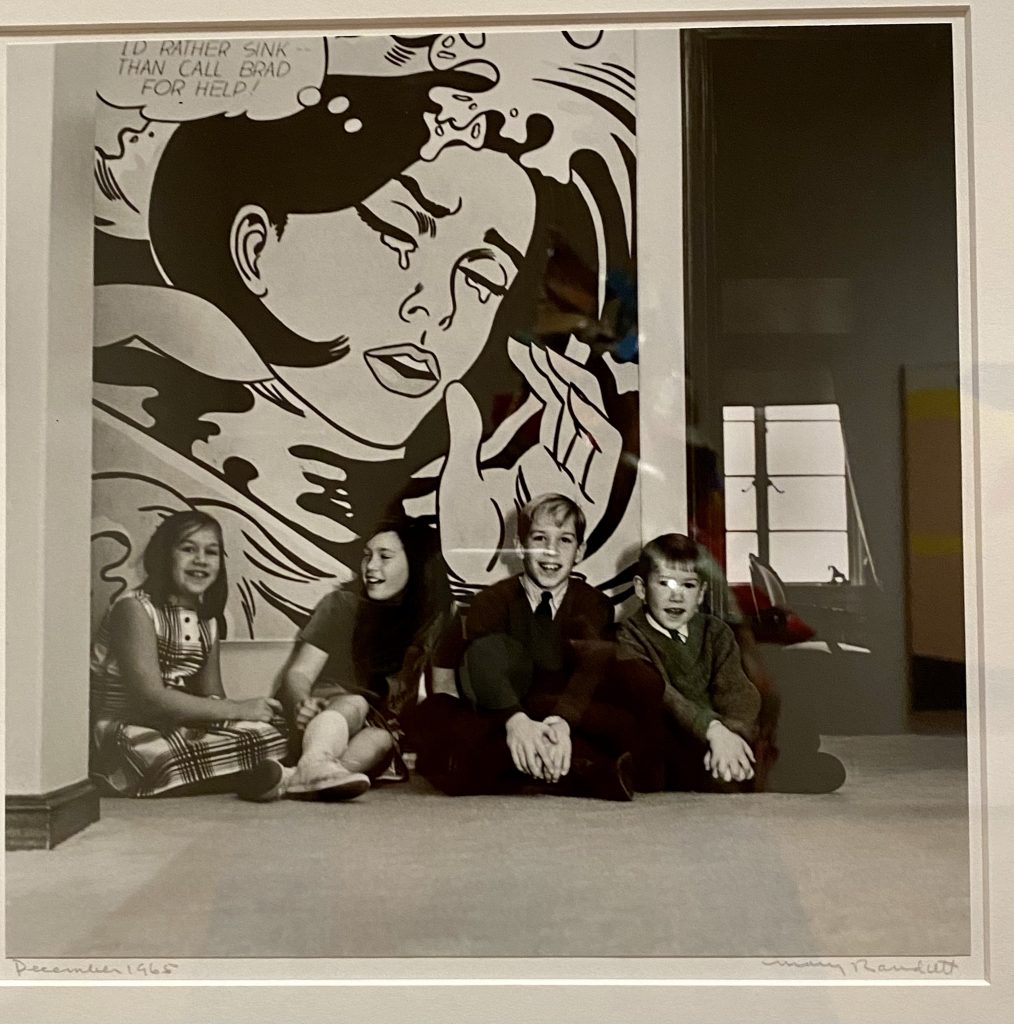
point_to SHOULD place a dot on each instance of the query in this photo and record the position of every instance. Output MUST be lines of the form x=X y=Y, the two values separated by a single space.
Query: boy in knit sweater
x=711 y=707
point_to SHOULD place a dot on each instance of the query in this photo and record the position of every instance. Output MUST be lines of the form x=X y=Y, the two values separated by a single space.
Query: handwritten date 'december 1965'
x=130 y=969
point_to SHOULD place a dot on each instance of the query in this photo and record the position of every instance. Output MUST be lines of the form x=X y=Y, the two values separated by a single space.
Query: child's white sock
x=326 y=737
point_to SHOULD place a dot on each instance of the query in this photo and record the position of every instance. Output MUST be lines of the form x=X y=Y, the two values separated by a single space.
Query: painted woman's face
x=413 y=277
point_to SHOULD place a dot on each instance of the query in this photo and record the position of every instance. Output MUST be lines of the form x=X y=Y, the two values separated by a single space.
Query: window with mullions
x=786 y=492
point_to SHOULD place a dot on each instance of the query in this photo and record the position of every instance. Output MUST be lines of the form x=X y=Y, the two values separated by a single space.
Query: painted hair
x=557 y=507
x=674 y=549
x=305 y=163
x=173 y=530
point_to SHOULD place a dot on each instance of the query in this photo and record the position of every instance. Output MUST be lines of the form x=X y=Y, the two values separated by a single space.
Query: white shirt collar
x=534 y=593
x=684 y=630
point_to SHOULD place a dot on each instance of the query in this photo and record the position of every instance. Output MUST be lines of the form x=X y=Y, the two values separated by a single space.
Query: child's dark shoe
x=264 y=783
x=815 y=773
x=602 y=777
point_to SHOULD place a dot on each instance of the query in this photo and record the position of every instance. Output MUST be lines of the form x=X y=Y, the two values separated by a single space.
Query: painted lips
x=405 y=369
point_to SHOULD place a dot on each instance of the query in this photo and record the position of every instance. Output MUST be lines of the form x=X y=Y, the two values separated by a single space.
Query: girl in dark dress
x=360 y=661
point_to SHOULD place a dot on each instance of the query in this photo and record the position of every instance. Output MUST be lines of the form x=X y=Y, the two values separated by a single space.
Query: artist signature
x=863 y=965
x=97 y=969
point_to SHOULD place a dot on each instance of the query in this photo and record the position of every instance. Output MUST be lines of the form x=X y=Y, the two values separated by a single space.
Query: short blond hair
x=558 y=507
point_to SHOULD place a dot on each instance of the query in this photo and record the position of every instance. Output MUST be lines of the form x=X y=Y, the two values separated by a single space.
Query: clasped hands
x=729 y=756
x=539 y=749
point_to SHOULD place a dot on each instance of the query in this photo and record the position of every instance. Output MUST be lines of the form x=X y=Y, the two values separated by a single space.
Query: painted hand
x=577 y=455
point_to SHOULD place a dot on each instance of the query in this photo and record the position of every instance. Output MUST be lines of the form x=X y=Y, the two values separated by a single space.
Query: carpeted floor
x=878 y=868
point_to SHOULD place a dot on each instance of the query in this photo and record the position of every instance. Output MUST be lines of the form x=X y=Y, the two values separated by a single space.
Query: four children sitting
x=553 y=697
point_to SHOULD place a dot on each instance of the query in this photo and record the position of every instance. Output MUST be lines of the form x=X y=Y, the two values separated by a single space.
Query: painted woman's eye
x=485 y=276
x=403 y=248
x=391 y=236
x=480 y=289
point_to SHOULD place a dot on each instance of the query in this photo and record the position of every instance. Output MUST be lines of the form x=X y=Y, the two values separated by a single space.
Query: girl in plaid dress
x=161 y=722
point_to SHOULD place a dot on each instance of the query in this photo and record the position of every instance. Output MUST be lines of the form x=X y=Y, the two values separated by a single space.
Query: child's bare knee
x=353 y=707
x=382 y=739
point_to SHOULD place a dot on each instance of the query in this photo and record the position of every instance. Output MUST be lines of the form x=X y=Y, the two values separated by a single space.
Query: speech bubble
x=185 y=79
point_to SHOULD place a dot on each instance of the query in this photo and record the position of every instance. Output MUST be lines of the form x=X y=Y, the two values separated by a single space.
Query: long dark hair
x=398 y=637
x=158 y=563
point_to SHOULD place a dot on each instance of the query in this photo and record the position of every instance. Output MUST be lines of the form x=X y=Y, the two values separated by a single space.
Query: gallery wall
x=48 y=425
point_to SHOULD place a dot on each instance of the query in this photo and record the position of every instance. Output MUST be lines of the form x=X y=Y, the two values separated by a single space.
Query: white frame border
x=986 y=29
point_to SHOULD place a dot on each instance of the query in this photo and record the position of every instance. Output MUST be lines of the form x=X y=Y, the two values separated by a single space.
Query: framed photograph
x=344 y=293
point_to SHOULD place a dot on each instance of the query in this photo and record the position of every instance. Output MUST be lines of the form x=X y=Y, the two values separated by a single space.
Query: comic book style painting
x=341 y=277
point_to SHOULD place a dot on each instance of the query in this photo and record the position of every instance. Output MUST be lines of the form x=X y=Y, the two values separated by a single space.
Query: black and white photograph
x=508 y=500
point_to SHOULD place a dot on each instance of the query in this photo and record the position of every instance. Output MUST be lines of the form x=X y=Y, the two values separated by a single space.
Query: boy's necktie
x=544 y=652
x=677 y=636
